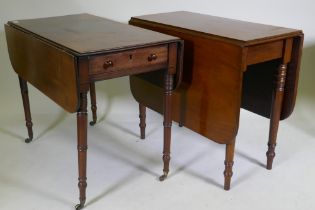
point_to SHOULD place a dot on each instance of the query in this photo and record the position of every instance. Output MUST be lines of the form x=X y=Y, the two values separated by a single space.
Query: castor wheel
x=163 y=177
x=28 y=140
x=180 y=124
x=79 y=206
x=92 y=123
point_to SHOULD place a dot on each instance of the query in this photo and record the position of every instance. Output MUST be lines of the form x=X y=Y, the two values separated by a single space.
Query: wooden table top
x=228 y=64
x=240 y=31
x=87 y=34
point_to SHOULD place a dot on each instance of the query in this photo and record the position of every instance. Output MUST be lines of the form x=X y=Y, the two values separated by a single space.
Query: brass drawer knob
x=108 y=64
x=152 y=57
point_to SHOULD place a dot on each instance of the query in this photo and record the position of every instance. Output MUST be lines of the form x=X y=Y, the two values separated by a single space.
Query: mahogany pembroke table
x=64 y=56
x=228 y=65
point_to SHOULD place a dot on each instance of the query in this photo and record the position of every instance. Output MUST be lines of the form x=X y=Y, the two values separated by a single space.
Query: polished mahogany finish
x=27 y=110
x=228 y=65
x=142 y=117
x=122 y=63
x=93 y=104
x=229 y=156
x=64 y=56
x=82 y=147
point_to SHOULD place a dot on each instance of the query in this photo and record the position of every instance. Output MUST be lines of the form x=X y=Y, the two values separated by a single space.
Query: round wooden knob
x=108 y=64
x=152 y=57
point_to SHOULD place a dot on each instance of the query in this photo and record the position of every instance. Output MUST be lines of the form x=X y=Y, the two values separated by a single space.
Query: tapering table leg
x=93 y=103
x=276 y=107
x=142 y=116
x=228 y=173
x=168 y=85
x=27 y=111
x=82 y=148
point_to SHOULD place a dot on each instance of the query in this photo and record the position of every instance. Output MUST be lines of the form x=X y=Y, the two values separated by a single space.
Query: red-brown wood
x=275 y=113
x=131 y=59
x=72 y=52
x=222 y=29
x=228 y=173
x=93 y=103
x=264 y=52
x=83 y=34
x=27 y=111
x=240 y=33
x=198 y=101
x=228 y=65
x=277 y=100
x=55 y=69
x=167 y=104
x=128 y=62
x=142 y=117
x=82 y=147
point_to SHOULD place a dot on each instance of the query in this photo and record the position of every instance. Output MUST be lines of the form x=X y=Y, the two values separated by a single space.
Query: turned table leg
x=27 y=111
x=93 y=103
x=275 y=112
x=167 y=104
x=142 y=116
x=82 y=147
x=228 y=173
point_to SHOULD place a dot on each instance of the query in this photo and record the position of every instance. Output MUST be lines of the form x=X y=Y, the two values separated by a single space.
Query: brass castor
x=163 y=177
x=28 y=140
x=79 y=206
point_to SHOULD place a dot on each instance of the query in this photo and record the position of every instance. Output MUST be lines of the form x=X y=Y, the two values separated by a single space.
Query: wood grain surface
x=86 y=34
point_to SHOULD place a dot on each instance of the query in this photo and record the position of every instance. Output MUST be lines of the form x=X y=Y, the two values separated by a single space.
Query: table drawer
x=128 y=62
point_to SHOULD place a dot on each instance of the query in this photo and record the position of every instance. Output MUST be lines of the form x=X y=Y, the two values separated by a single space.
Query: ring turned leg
x=27 y=111
x=168 y=84
x=93 y=103
x=82 y=147
x=275 y=113
x=228 y=173
x=142 y=116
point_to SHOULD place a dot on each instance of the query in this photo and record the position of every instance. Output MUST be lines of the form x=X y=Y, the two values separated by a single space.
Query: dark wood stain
x=64 y=56
x=228 y=65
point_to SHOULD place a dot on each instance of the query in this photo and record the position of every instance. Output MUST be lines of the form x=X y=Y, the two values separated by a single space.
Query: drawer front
x=128 y=62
